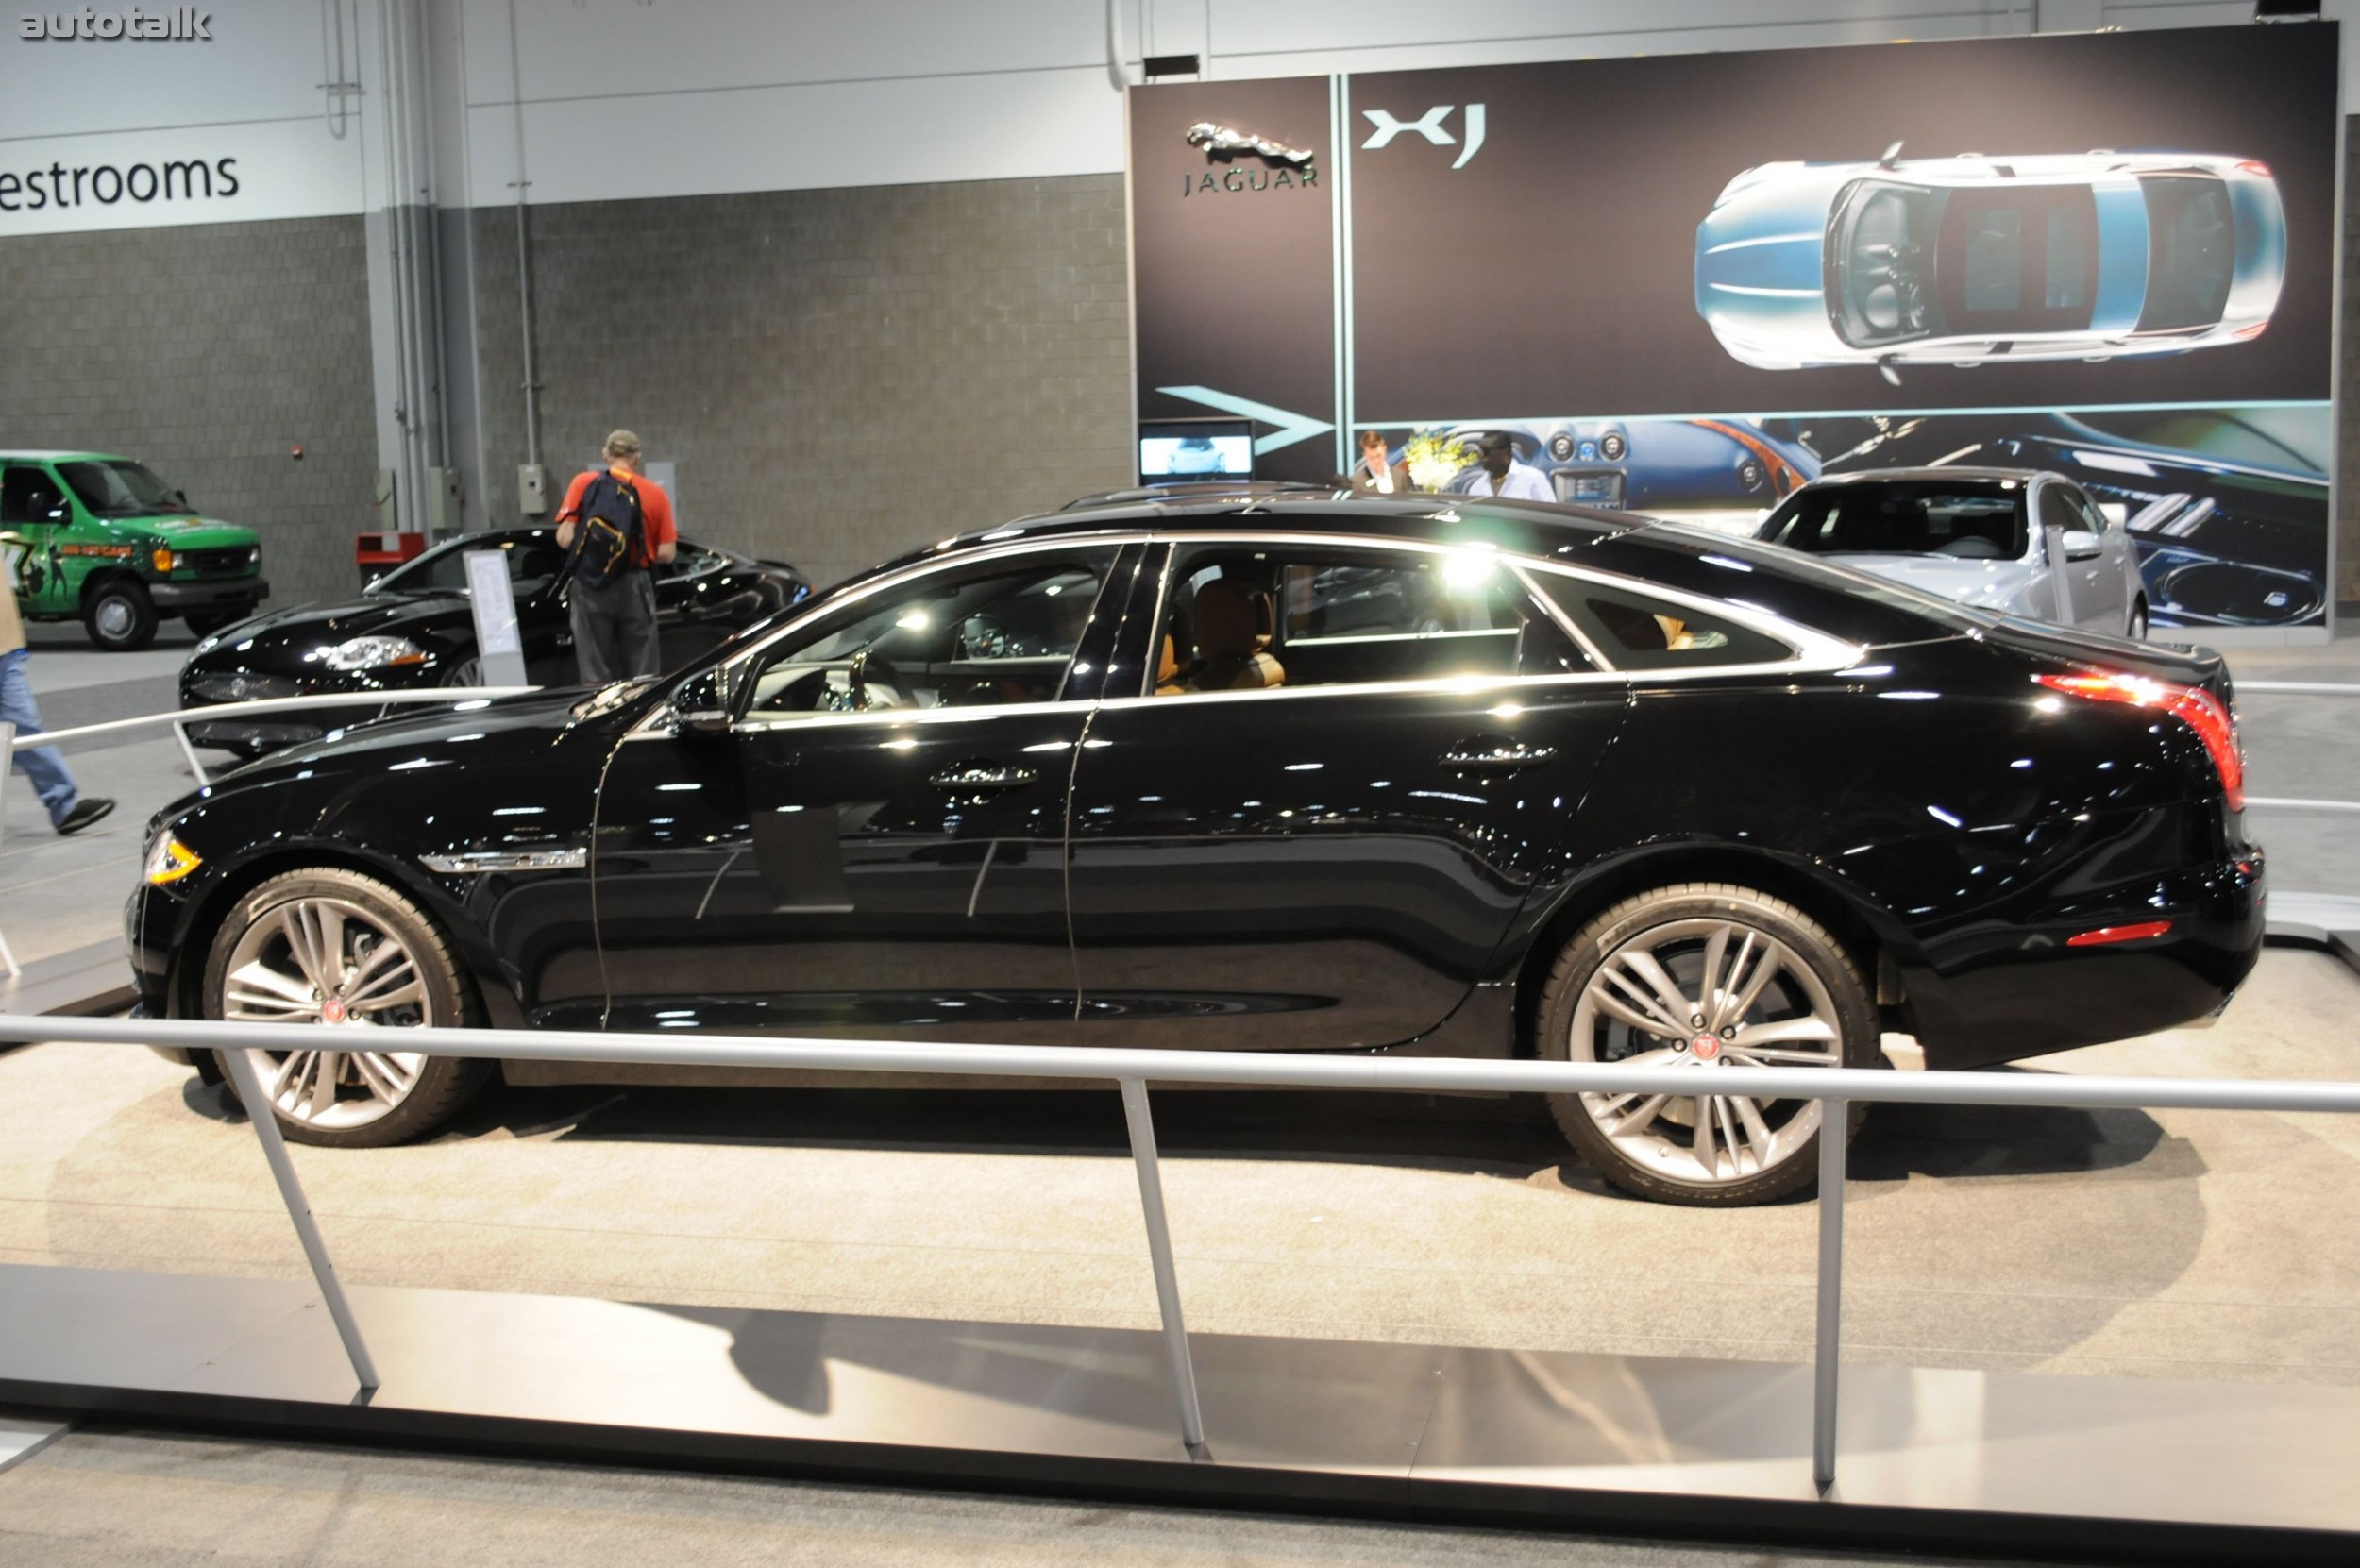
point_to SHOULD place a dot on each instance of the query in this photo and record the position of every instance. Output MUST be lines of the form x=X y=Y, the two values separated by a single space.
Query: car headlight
x=168 y=860
x=372 y=653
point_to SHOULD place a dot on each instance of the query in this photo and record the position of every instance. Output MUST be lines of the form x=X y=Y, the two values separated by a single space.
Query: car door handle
x=1481 y=756
x=983 y=775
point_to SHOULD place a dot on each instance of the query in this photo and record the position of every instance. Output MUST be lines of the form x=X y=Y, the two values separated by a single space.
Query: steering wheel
x=867 y=666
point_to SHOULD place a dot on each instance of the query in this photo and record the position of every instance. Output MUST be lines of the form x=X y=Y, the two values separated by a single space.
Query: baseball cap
x=623 y=444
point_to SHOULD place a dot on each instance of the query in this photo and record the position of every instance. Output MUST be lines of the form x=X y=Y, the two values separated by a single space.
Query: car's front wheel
x=120 y=617
x=353 y=962
x=1718 y=980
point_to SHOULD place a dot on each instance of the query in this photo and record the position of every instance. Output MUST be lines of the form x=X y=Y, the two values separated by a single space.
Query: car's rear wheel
x=355 y=961
x=1721 y=980
x=119 y=616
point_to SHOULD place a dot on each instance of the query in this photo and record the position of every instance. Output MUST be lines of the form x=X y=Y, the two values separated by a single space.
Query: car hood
x=304 y=626
x=2003 y=585
x=1760 y=253
x=443 y=737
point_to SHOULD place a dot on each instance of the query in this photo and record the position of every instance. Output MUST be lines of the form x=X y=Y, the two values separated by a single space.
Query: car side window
x=1640 y=632
x=28 y=496
x=980 y=636
x=1246 y=617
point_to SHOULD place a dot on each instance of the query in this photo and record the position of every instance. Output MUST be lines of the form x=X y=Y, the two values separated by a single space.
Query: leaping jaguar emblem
x=1225 y=143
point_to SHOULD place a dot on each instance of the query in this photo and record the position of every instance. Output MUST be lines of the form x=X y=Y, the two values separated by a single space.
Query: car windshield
x=116 y=488
x=1965 y=520
x=532 y=566
x=2191 y=252
x=1879 y=251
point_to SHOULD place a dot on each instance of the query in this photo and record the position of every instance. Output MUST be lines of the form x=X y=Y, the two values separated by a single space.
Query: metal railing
x=2298 y=688
x=1131 y=1071
x=182 y=717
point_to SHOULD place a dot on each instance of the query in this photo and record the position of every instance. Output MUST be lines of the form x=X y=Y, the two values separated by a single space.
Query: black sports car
x=1163 y=775
x=413 y=627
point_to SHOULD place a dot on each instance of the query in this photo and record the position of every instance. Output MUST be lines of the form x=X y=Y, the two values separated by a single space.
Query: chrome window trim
x=903 y=716
x=656 y=724
x=474 y=862
x=1815 y=652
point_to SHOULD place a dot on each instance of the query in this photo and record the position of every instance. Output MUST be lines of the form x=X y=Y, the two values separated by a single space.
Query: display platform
x=2081 y=1466
x=88 y=982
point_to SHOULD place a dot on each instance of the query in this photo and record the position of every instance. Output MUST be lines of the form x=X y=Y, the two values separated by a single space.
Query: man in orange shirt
x=614 y=631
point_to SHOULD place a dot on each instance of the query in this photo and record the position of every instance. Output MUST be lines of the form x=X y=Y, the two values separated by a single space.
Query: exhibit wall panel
x=2112 y=255
x=837 y=374
x=210 y=352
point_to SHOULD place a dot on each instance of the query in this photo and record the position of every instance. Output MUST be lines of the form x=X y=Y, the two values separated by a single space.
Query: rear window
x=1641 y=632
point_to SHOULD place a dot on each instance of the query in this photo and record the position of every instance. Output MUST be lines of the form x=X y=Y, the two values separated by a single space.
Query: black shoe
x=89 y=809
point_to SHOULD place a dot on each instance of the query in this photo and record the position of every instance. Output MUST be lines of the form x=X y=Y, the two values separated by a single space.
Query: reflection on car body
x=1264 y=773
x=1968 y=259
x=413 y=627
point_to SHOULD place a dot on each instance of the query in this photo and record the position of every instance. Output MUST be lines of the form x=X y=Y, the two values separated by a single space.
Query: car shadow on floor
x=1512 y=1137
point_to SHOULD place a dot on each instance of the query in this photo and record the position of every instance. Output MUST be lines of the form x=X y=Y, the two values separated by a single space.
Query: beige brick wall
x=209 y=353
x=839 y=374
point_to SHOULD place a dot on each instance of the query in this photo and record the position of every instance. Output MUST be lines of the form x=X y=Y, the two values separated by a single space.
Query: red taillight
x=2253 y=166
x=2192 y=705
x=2106 y=934
x=2250 y=332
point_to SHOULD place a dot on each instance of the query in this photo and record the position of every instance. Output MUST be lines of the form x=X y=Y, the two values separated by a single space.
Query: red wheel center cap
x=1705 y=1047
x=332 y=1010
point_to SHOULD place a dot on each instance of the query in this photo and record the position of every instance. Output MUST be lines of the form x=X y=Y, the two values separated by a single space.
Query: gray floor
x=130 y=1498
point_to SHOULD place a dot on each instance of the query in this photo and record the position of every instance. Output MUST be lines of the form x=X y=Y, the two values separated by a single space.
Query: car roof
x=1933 y=473
x=28 y=454
x=1538 y=528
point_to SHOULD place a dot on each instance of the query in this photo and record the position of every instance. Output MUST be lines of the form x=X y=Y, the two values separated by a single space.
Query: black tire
x=205 y=624
x=2135 y=626
x=1825 y=990
x=342 y=1104
x=119 y=616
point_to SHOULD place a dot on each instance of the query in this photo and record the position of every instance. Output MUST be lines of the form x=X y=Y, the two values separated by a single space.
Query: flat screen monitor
x=1175 y=449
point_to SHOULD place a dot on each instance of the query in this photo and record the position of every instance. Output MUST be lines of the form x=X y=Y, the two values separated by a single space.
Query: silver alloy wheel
x=115 y=617
x=467 y=672
x=1721 y=997
x=329 y=963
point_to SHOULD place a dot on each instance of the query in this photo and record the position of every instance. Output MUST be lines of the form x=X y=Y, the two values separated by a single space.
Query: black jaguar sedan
x=413 y=626
x=1424 y=775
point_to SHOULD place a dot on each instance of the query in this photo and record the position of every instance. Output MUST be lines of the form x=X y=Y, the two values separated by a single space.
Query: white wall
x=625 y=99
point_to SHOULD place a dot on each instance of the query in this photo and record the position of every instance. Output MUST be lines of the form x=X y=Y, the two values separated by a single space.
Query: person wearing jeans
x=70 y=811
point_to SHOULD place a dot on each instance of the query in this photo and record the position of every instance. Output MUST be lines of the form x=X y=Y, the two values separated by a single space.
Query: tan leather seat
x=1229 y=656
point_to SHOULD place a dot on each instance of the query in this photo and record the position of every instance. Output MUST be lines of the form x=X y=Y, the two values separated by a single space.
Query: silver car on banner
x=2015 y=540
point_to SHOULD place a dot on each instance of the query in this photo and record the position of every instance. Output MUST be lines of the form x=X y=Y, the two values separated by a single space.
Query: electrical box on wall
x=387 y=509
x=533 y=490
x=441 y=501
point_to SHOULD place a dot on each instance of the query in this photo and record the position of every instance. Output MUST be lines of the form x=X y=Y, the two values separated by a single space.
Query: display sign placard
x=493 y=599
x=1690 y=285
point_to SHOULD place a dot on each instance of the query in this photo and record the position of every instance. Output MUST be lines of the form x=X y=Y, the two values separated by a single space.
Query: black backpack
x=606 y=534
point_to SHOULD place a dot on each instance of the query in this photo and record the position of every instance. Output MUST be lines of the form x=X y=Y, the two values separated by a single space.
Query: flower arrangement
x=1434 y=457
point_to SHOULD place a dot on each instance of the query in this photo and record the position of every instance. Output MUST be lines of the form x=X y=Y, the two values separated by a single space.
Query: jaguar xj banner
x=1692 y=284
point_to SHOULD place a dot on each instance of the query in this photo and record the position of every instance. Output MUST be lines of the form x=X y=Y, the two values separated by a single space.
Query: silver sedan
x=2013 y=540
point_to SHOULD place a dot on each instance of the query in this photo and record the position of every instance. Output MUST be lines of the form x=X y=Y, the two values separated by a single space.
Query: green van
x=102 y=540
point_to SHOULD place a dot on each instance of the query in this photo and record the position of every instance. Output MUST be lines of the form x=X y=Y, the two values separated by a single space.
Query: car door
x=2076 y=572
x=1312 y=824
x=2102 y=591
x=865 y=831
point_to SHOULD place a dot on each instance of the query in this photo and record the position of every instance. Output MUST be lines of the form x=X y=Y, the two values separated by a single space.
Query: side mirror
x=2081 y=545
x=183 y=495
x=1890 y=158
x=701 y=706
